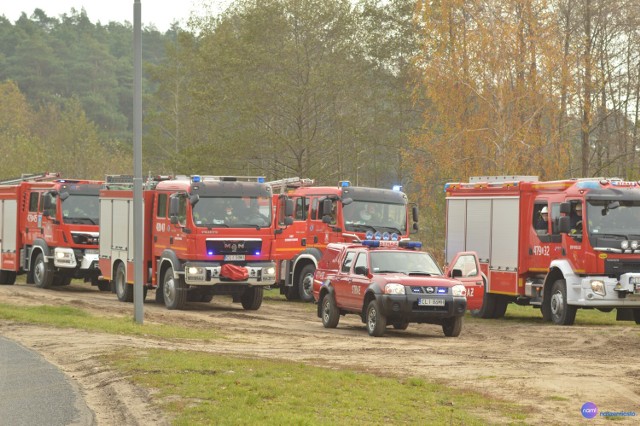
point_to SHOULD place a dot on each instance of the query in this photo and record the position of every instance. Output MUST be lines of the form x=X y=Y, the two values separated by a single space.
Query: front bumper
x=605 y=292
x=68 y=258
x=407 y=307
x=208 y=274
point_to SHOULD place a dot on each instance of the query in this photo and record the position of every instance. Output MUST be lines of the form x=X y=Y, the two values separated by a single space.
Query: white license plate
x=430 y=302
x=234 y=257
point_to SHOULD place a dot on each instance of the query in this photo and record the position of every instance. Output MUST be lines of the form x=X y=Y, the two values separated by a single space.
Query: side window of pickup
x=346 y=263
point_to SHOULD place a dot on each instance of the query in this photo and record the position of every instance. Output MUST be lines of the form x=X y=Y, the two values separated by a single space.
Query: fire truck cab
x=202 y=236
x=49 y=230
x=329 y=214
x=586 y=254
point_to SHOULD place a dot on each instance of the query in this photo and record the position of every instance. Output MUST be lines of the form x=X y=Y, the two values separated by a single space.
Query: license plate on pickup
x=234 y=257
x=430 y=302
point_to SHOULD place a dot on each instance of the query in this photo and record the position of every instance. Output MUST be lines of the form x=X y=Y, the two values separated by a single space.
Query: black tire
x=291 y=293
x=305 y=283
x=7 y=277
x=488 y=309
x=501 y=304
x=61 y=280
x=330 y=311
x=376 y=321
x=400 y=325
x=173 y=290
x=451 y=327
x=636 y=315
x=30 y=279
x=561 y=313
x=104 y=285
x=42 y=272
x=159 y=294
x=123 y=290
x=252 y=298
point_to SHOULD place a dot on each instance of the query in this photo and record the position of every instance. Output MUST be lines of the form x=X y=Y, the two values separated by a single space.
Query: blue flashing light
x=345 y=183
x=394 y=237
x=371 y=243
x=442 y=290
x=588 y=185
x=369 y=235
x=397 y=188
x=386 y=236
x=411 y=244
x=210 y=252
x=446 y=186
x=261 y=179
x=196 y=179
x=257 y=253
x=377 y=235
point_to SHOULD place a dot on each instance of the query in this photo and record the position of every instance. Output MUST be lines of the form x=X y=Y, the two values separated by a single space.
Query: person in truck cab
x=542 y=223
x=576 y=219
x=369 y=213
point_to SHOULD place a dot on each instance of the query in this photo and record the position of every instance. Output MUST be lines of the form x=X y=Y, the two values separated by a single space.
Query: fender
x=327 y=288
x=171 y=257
x=312 y=254
x=41 y=244
x=573 y=281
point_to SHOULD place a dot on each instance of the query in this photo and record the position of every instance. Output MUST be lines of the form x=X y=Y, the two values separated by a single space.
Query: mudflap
x=624 y=314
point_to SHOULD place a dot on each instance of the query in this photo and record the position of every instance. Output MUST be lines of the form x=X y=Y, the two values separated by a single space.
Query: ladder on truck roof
x=31 y=177
x=492 y=179
x=292 y=182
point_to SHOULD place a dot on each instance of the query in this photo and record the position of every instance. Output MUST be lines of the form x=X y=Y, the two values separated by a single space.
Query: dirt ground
x=551 y=371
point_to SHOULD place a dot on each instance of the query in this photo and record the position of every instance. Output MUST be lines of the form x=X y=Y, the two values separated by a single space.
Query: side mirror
x=288 y=207
x=193 y=199
x=288 y=220
x=565 y=208
x=347 y=201
x=173 y=219
x=174 y=208
x=326 y=219
x=456 y=273
x=63 y=196
x=362 y=270
x=414 y=213
x=564 y=224
x=414 y=228
x=326 y=207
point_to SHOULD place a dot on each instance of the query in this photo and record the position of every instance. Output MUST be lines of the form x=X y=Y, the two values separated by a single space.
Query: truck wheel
x=252 y=298
x=42 y=272
x=451 y=327
x=330 y=312
x=291 y=293
x=173 y=290
x=7 y=277
x=561 y=313
x=104 y=285
x=636 y=315
x=400 y=325
x=500 y=306
x=123 y=290
x=376 y=321
x=305 y=286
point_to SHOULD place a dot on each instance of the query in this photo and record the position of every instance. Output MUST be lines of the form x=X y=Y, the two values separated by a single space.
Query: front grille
x=234 y=247
x=617 y=267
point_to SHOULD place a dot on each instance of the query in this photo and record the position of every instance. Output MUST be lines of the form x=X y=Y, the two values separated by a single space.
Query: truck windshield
x=363 y=216
x=232 y=212
x=81 y=208
x=406 y=262
x=620 y=218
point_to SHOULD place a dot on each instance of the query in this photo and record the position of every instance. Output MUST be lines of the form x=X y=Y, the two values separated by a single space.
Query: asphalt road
x=34 y=392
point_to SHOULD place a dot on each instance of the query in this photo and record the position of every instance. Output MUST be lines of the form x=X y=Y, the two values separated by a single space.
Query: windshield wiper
x=79 y=220
x=420 y=273
x=361 y=226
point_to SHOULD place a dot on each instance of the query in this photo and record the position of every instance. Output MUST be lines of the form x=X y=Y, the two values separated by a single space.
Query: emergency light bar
x=344 y=183
x=397 y=188
x=401 y=244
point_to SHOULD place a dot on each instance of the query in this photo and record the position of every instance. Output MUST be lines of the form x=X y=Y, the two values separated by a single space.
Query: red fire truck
x=203 y=236
x=329 y=214
x=586 y=253
x=49 y=230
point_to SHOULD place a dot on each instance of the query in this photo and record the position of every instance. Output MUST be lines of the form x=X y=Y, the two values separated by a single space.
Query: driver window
x=348 y=260
x=33 y=201
x=467 y=264
x=361 y=261
x=182 y=211
x=541 y=218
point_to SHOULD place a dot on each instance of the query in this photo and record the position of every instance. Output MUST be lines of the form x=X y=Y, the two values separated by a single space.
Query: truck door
x=293 y=238
x=542 y=241
x=343 y=281
x=467 y=270
x=34 y=217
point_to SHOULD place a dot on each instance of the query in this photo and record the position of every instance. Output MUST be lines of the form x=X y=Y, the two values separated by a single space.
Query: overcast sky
x=160 y=13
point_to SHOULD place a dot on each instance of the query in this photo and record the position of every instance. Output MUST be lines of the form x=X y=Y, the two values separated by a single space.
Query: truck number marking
x=160 y=227
x=469 y=291
x=541 y=250
x=355 y=289
x=32 y=217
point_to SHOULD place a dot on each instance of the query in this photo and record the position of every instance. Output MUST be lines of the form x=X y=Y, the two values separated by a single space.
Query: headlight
x=271 y=271
x=597 y=286
x=394 y=288
x=459 y=290
x=194 y=270
x=63 y=255
x=634 y=245
x=624 y=245
x=634 y=280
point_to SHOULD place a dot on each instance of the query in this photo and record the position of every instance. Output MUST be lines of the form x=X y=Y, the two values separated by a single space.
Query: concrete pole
x=137 y=166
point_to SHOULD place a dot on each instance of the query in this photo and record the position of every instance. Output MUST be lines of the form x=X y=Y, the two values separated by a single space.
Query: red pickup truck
x=390 y=282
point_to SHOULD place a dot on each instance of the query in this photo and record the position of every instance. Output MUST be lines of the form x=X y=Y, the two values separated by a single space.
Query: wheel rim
x=557 y=304
x=307 y=285
x=326 y=309
x=38 y=273
x=169 y=289
x=372 y=318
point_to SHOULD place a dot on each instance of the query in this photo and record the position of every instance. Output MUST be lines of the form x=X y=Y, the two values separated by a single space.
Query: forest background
x=416 y=93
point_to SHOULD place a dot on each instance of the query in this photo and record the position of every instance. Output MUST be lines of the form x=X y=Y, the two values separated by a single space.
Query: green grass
x=529 y=314
x=70 y=317
x=201 y=388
